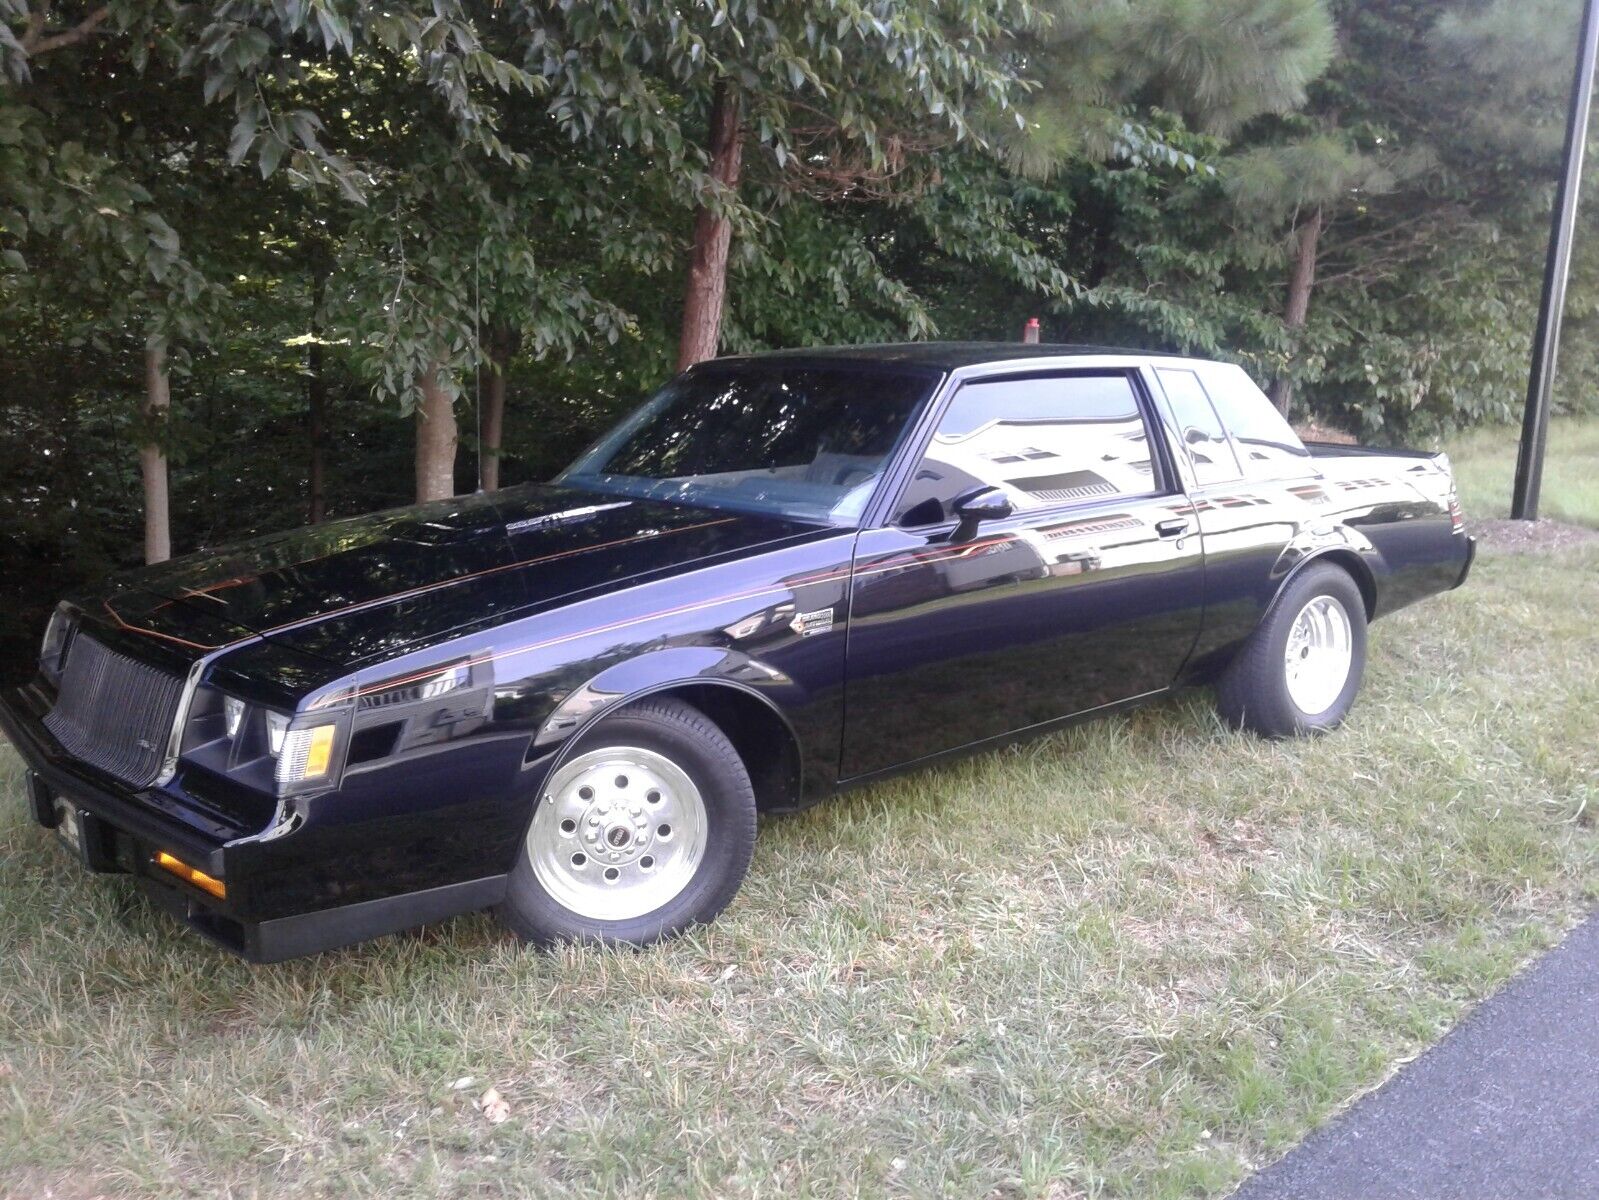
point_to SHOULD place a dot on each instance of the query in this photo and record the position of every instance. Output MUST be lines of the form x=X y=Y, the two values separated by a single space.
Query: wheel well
x=1208 y=668
x=1358 y=571
x=763 y=739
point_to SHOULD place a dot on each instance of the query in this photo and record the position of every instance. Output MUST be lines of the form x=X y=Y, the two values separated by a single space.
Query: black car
x=780 y=576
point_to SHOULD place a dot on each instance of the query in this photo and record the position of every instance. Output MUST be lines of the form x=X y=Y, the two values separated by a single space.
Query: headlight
x=277 y=725
x=232 y=715
x=306 y=754
x=252 y=729
x=53 y=650
x=259 y=747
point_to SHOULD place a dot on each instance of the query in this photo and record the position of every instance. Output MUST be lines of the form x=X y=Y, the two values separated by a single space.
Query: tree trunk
x=1300 y=282
x=153 y=460
x=435 y=440
x=316 y=403
x=706 y=293
x=502 y=345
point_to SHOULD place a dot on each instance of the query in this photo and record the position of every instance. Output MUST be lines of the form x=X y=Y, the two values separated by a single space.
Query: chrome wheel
x=1318 y=656
x=619 y=832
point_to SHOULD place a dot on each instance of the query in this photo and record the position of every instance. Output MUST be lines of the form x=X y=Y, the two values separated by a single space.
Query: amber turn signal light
x=188 y=874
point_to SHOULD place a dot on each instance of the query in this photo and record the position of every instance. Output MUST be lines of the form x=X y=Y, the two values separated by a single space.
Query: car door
x=1088 y=594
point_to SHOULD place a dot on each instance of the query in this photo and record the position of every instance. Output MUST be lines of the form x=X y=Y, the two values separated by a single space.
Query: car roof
x=944 y=356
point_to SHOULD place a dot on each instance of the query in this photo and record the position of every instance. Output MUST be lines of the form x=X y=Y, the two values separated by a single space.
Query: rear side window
x=1267 y=445
x=1045 y=441
x=1204 y=436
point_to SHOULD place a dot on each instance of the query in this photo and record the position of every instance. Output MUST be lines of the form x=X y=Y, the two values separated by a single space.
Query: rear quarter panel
x=1384 y=517
x=1398 y=543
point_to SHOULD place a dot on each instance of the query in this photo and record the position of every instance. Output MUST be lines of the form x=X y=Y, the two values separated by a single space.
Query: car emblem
x=818 y=620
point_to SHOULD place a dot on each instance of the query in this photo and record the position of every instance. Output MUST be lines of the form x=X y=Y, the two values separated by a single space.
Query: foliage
x=837 y=93
x=1217 y=62
x=330 y=198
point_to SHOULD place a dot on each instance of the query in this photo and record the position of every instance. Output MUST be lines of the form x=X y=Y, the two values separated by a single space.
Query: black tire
x=1253 y=692
x=696 y=746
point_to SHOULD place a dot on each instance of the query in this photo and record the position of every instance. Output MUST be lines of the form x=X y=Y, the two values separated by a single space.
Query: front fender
x=659 y=671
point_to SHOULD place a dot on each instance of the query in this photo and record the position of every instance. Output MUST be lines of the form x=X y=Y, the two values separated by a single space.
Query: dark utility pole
x=1546 y=338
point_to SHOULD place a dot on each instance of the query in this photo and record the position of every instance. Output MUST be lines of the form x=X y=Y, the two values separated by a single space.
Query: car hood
x=353 y=590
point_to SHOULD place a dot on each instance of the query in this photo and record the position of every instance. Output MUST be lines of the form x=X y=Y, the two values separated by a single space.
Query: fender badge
x=819 y=620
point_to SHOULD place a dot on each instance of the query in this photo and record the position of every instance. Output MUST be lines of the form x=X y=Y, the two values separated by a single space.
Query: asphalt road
x=1507 y=1105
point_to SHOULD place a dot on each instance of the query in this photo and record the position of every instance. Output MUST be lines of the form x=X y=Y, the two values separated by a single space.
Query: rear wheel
x=1300 y=670
x=647 y=829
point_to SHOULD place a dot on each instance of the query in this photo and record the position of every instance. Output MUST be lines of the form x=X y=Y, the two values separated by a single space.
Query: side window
x=1204 y=436
x=1045 y=441
x=1267 y=445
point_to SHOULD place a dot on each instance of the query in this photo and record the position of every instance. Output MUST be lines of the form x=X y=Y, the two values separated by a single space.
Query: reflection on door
x=1089 y=594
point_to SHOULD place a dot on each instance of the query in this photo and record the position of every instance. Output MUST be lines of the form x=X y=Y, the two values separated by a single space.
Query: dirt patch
x=65 y=1187
x=1530 y=537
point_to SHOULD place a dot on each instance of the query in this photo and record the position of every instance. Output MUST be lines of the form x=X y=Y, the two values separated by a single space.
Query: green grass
x=1485 y=468
x=1134 y=959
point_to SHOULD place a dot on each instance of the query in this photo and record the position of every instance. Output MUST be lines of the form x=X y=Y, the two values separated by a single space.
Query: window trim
x=1239 y=472
x=1167 y=481
x=1251 y=472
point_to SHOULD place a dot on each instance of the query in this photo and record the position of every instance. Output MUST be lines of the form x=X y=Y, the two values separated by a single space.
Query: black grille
x=114 y=712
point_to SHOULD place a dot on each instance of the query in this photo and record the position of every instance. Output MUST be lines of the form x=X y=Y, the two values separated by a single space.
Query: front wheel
x=647 y=829
x=1300 y=670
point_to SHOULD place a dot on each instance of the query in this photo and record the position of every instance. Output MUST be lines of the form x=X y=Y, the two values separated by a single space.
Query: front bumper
x=122 y=831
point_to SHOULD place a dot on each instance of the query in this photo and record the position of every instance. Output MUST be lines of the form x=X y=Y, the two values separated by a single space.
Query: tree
x=1217 y=64
x=705 y=297
x=1115 y=169
x=836 y=101
x=152 y=457
x=319 y=214
x=1409 y=168
x=1314 y=172
x=272 y=61
x=393 y=139
x=106 y=192
x=503 y=342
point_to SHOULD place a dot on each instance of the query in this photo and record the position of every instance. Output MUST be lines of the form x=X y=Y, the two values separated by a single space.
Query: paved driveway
x=1507 y=1105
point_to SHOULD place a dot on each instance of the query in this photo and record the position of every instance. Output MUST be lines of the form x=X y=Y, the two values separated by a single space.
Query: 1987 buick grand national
x=780 y=575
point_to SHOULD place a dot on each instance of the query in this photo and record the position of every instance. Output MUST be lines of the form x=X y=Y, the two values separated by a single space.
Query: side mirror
x=976 y=506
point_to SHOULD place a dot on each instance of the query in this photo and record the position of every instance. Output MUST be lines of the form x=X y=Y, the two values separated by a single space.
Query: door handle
x=1172 y=527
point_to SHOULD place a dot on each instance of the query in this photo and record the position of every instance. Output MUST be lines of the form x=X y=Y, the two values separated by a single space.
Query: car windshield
x=806 y=442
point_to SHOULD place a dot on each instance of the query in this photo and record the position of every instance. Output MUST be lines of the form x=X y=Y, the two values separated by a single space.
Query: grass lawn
x=1134 y=959
x=1485 y=467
